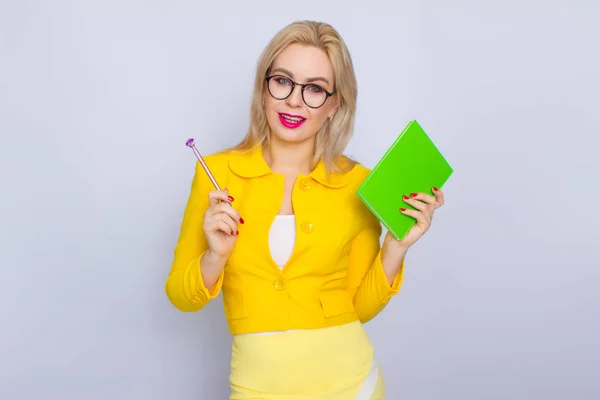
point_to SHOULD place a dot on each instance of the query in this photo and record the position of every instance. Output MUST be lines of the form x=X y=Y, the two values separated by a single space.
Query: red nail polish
x=241 y=220
x=237 y=233
x=435 y=189
x=229 y=198
x=413 y=195
x=403 y=209
x=231 y=233
x=405 y=197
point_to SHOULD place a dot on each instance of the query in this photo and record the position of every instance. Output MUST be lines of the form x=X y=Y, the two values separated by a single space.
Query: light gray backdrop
x=501 y=297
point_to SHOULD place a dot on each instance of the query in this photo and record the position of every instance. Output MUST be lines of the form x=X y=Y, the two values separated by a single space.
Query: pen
x=190 y=143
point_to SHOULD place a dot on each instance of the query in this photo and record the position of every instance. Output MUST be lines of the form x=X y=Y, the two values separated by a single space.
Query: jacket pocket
x=235 y=307
x=336 y=303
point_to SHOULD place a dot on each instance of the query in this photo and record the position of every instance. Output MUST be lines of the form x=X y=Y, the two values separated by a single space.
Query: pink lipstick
x=291 y=121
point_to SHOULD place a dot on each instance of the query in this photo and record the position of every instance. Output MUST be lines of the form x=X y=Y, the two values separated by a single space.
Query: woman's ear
x=335 y=109
x=332 y=113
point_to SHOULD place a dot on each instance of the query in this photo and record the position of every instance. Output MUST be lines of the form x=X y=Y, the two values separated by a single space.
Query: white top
x=282 y=237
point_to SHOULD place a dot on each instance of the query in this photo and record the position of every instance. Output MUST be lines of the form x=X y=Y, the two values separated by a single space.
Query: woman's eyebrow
x=285 y=71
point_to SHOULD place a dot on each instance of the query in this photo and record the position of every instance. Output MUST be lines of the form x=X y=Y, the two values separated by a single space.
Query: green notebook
x=412 y=164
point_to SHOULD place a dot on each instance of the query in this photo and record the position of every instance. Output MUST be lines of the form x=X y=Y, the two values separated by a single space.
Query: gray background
x=97 y=99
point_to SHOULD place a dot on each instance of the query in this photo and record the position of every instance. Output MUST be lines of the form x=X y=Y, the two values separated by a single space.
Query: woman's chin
x=291 y=135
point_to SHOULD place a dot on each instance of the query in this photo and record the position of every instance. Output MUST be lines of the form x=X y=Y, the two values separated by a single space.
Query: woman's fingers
x=420 y=201
x=225 y=208
x=411 y=213
x=221 y=215
x=424 y=205
x=220 y=201
x=227 y=225
x=425 y=198
x=222 y=222
x=422 y=219
x=217 y=196
x=439 y=197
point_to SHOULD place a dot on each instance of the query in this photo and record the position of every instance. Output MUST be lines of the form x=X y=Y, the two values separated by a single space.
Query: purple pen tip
x=189 y=142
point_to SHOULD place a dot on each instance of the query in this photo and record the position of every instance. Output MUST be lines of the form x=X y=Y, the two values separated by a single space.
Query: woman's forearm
x=392 y=262
x=211 y=266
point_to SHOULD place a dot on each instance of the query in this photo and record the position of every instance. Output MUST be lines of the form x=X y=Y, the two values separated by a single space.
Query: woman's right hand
x=221 y=224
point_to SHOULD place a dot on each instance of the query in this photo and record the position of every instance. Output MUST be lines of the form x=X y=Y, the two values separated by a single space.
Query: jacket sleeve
x=184 y=286
x=367 y=281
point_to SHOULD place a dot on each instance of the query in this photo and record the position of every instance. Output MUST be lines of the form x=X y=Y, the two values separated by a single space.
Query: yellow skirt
x=335 y=363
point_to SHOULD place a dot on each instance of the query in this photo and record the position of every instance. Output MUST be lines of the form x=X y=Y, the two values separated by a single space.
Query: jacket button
x=305 y=184
x=308 y=227
x=279 y=284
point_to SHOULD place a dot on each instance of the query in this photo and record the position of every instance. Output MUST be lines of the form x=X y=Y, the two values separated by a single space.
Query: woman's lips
x=291 y=121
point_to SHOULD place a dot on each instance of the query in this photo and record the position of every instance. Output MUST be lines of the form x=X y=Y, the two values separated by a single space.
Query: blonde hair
x=334 y=135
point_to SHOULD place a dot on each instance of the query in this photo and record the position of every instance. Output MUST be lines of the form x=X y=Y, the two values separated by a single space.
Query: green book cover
x=412 y=164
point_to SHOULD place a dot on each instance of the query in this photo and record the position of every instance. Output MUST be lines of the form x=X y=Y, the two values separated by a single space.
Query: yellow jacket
x=334 y=275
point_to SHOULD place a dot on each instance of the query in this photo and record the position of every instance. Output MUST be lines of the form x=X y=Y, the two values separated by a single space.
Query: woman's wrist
x=211 y=266
x=214 y=258
x=392 y=260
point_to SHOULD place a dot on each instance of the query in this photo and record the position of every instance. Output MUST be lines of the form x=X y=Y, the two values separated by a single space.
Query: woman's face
x=291 y=118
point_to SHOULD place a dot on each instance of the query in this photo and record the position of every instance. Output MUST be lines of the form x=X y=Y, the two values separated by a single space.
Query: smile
x=291 y=121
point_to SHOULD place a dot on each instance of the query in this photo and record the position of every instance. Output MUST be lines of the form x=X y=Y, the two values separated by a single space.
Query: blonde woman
x=294 y=251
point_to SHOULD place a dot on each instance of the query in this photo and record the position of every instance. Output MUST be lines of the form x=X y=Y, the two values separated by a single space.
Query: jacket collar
x=252 y=164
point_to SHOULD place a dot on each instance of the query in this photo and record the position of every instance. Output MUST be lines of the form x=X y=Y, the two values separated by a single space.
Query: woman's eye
x=283 y=81
x=315 y=88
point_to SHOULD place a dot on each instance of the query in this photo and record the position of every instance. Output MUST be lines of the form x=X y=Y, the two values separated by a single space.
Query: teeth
x=290 y=119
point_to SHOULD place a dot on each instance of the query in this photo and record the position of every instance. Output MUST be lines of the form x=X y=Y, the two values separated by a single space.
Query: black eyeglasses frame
x=302 y=85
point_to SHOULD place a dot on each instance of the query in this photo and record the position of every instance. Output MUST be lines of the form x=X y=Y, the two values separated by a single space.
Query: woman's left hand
x=425 y=205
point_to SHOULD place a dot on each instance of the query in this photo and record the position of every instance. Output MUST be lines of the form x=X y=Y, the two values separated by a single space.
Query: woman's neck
x=289 y=159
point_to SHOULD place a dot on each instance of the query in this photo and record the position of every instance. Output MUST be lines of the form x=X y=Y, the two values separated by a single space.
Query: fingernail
x=229 y=198
x=435 y=189
x=413 y=195
x=405 y=197
x=231 y=233
x=241 y=220
x=403 y=209
x=237 y=232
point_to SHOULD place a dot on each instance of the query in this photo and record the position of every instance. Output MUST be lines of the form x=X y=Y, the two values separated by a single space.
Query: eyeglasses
x=281 y=87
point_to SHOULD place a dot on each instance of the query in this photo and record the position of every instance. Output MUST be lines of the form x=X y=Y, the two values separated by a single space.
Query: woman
x=295 y=252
